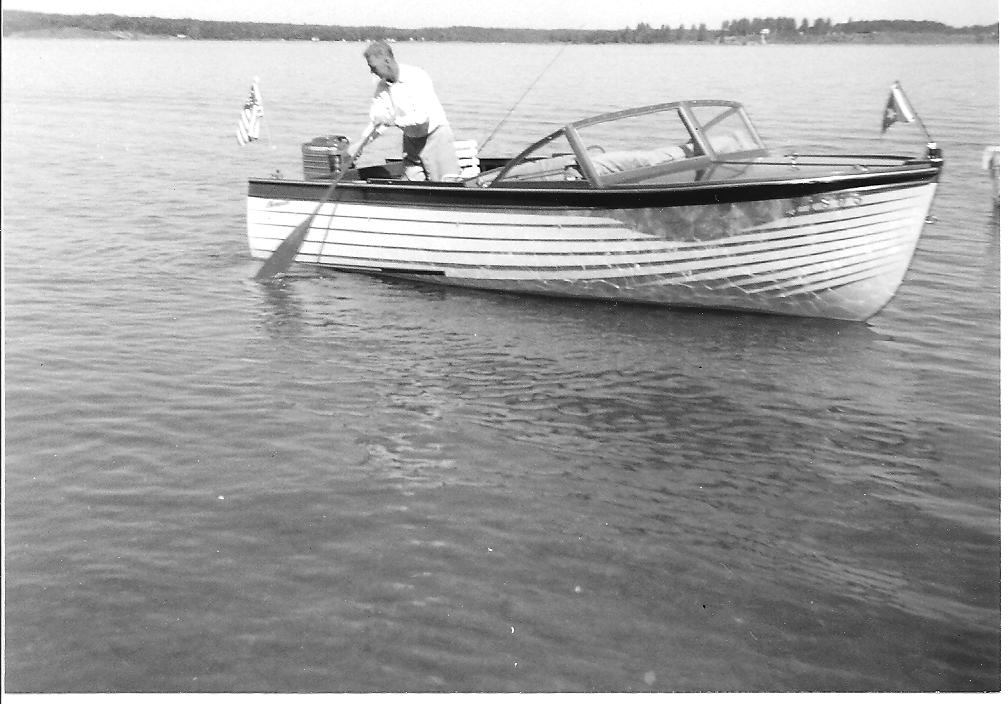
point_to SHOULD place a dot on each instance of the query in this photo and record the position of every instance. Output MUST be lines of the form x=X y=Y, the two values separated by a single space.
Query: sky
x=539 y=14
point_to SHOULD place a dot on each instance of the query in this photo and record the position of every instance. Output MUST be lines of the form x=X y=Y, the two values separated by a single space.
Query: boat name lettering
x=820 y=204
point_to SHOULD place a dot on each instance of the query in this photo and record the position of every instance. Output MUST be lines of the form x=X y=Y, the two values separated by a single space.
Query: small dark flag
x=252 y=113
x=897 y=108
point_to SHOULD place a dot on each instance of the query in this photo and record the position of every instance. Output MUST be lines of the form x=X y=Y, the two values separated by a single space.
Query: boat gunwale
x=551 y=196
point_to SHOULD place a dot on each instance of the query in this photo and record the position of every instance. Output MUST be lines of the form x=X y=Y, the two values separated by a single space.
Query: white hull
x=841 y=254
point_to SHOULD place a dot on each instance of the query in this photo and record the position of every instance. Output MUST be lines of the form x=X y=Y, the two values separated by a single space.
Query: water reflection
x=632 y=386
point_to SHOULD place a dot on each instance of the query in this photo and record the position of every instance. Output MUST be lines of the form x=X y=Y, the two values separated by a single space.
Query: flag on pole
x=897 y=108
x=251 y=115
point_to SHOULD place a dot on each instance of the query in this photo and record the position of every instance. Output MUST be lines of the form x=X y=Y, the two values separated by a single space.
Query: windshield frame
x=704 y=154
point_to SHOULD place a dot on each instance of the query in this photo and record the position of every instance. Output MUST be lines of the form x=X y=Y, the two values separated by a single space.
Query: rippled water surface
x=351 y=484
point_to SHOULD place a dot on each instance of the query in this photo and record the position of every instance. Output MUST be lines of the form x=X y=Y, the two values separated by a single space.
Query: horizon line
x=534 y=29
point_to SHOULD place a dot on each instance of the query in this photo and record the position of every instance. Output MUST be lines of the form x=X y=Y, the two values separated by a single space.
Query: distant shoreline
x=70 y=33
x=770 y=30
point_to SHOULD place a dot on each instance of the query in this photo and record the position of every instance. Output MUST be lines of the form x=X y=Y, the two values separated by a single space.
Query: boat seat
x=467 y=153
x=616 y=161
x=548 y=169
x=728 y=142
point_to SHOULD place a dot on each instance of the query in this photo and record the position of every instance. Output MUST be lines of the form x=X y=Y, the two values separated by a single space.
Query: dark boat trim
x=403 y=193
x=384 y=270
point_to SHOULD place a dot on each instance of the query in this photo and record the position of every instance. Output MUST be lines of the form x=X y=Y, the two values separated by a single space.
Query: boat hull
x=838 y=253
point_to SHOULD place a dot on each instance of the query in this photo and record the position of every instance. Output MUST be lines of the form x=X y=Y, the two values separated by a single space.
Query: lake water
x=349 y=484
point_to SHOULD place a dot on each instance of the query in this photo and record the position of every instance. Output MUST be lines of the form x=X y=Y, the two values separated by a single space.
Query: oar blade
x=282 y=257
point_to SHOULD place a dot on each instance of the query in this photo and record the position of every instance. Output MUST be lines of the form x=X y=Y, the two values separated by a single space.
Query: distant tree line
x=823 y=26
x=776 y=29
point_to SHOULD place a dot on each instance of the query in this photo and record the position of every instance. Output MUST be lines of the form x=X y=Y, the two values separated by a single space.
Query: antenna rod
x=532 y=85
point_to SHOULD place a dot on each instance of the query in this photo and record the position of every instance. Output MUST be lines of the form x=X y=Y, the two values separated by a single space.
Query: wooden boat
x=680 y=204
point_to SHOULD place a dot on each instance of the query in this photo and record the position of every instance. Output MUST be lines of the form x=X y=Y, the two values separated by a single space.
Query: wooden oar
x=283 y=255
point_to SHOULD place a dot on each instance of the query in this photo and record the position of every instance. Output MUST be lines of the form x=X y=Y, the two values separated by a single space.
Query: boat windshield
x=665 y=143
x=638 y=142
x=726 y=129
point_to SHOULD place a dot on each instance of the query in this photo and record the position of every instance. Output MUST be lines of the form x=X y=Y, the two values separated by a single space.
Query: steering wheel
x=572 y=172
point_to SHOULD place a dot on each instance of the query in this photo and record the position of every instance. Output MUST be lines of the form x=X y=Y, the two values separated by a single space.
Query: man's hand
x=372 y=132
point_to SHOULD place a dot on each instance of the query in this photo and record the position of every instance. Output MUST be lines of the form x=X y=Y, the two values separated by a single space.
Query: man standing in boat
x=405 y=98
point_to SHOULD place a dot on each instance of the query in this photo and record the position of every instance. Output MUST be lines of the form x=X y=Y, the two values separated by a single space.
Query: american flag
x=251 y=115
x=897 y=108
